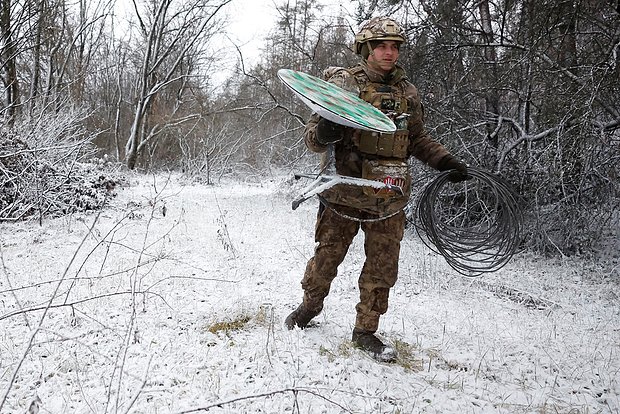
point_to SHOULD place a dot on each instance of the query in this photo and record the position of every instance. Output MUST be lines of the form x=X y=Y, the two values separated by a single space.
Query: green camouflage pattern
x=334 y=234
x=346 y=209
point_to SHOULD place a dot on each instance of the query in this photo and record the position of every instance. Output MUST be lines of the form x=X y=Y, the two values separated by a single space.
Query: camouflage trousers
x=334 y=235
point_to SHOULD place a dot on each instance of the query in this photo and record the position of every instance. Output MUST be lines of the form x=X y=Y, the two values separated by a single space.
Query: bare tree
x=528 y=90
x=303 y=38
x=10 y=18
x=172 y=31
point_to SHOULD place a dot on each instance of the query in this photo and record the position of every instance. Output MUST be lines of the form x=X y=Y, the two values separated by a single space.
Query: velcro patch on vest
x=390 y=172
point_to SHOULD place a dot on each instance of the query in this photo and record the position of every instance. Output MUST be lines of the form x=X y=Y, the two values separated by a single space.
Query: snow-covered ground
x=172 y=300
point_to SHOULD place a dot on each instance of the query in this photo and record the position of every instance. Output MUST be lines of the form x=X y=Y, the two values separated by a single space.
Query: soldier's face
x=384 y=56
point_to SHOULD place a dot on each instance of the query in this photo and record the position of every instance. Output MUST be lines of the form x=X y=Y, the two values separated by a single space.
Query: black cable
x=475 y=224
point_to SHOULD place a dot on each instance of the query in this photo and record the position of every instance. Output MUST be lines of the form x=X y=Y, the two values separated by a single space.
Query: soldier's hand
x=328 y=132
x=458 y=170
x=456 y=176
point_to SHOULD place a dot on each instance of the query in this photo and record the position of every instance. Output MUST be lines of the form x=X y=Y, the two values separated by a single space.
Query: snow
x=173 y=298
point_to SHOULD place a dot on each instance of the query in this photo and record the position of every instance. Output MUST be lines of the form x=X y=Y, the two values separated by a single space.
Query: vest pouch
x=388 y=171
x=369 y=141
x=401 y=144
x=385 y=145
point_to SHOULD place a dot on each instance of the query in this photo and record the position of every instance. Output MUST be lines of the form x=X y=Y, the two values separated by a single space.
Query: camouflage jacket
x=350 y=160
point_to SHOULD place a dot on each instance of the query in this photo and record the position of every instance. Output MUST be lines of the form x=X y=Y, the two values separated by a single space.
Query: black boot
x=300 y=317
x=367 y=341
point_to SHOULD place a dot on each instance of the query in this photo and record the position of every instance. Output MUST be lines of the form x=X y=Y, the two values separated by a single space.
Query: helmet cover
x=378 y=28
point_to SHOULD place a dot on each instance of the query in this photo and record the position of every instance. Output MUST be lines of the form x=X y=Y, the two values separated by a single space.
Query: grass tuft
x=227 y=326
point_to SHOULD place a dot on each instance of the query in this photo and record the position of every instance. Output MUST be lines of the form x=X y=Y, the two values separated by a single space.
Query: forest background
x=528 y=90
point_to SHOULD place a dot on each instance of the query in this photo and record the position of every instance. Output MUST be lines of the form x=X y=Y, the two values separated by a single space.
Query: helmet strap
x=367 y=46
x=370 y=49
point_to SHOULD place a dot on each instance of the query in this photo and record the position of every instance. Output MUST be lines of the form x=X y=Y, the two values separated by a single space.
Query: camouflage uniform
x=382 y=157
x=342 y=205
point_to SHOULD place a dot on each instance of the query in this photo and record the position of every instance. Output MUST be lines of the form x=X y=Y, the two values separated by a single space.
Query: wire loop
x=475 y=225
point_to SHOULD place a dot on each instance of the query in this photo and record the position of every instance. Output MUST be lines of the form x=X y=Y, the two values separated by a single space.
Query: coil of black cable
x=475 y=224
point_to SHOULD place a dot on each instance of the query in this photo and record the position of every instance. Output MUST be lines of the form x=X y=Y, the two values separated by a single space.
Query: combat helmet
x=378 y=28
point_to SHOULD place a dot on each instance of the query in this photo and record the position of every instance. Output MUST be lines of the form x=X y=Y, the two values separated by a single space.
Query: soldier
x=357 y=153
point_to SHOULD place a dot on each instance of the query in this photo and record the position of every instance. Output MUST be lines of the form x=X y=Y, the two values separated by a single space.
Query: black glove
x=458 y=171
x=328 y=132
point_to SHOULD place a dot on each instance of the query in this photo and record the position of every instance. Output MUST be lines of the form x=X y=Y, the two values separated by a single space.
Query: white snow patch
x=175 y=302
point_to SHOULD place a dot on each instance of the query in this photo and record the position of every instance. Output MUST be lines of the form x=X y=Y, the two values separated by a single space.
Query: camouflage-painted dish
x=334 y=103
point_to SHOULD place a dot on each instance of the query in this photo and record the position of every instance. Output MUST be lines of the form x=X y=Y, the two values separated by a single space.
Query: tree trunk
x=36 y=70
x=8 y=69
x=491 y=99
x=135 y=138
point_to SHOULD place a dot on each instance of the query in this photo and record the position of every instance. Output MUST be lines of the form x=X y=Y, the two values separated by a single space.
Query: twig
x=137 y=394
x=92 y=251
x=70 y=304
x=42 y=149
x=135 y=283
x=8 y=281
x=266 y=394
x=101 y=277
x=43 y=316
